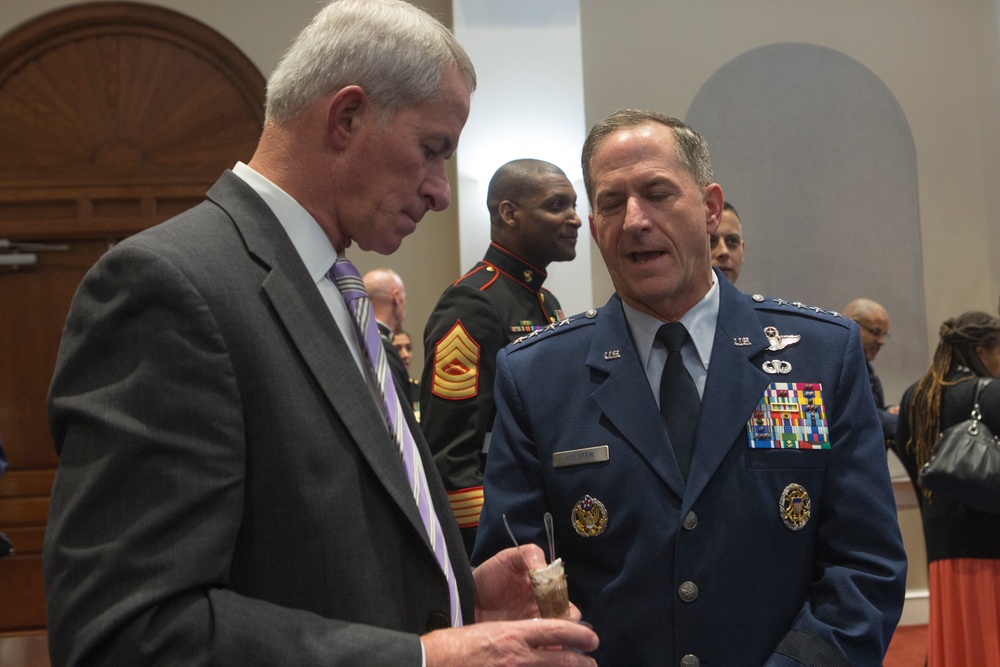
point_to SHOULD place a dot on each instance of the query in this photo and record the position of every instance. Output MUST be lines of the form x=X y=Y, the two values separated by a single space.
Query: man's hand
x=500 y=636
x=535 y=643
x=503 y=589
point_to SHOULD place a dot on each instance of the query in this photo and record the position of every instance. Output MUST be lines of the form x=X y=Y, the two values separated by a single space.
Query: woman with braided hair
x=963 y=544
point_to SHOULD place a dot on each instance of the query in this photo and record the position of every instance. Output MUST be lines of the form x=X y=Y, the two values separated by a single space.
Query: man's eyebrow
x=447 y=146
x=605 y=195
x=562 y=194
x=652 y=182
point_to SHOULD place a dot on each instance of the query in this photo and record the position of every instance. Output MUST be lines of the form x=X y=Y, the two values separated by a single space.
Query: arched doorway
x=113 y=117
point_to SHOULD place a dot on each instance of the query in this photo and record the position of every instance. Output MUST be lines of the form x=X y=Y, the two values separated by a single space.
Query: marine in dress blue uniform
x=533 y=222
x=495 y=303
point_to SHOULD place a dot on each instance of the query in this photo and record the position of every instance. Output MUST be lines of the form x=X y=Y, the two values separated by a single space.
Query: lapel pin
x=778 y=341
x=612 y=354
x=741 y=342
x=795 y=506
x=776 y=367
x=589 y=517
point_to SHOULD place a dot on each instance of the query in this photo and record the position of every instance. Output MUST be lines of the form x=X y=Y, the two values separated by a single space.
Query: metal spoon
x=512 y=539
x=550 y=531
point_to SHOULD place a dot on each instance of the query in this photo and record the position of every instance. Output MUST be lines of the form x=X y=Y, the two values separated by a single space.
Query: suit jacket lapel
x=624 y=395
x=732 y=389
x=312 y=329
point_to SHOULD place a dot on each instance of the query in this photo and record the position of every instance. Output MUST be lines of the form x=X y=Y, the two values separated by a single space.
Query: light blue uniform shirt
x=700 y=323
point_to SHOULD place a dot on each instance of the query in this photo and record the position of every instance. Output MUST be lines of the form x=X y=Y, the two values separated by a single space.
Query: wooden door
x=113 y=117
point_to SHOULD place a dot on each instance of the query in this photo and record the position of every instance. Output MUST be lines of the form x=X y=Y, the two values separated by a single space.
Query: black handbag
x=965 y=462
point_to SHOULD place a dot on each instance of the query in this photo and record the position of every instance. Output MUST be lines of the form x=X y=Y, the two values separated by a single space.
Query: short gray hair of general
x=691 y=147
x=397 y=53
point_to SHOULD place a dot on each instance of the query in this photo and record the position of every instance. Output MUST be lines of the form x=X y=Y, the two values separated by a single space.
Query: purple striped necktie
x=345 y=275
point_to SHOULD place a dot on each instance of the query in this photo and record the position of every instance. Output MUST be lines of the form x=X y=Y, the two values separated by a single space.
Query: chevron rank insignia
x=790 y=415
x=456 y=365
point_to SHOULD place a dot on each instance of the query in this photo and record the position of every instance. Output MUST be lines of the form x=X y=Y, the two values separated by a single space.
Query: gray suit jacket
x=227 y=492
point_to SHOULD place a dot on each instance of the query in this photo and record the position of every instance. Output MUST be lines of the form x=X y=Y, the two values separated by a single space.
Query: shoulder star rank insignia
x=590 y=517
x=779 y=342
x=794 y=506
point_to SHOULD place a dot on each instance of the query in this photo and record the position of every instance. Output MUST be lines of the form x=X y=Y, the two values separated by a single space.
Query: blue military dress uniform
x=777 y=556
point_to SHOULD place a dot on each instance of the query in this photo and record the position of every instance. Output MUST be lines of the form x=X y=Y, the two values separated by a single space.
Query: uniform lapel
x=624 y=395
x=732 y=389
x=306 y=318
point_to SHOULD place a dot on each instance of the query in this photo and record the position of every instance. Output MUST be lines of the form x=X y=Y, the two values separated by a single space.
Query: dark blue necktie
x=679 y=400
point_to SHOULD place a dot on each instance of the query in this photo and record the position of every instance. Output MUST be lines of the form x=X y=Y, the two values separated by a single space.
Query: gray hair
x=396 y=52
x=691 y=147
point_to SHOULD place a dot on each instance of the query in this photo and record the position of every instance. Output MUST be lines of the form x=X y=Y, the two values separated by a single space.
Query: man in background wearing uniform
x=533 y=222
x=727 y=244
x=703 y=452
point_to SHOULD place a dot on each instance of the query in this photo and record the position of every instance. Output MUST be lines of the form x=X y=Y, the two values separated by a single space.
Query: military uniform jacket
x=498 y=301
x=764 y=556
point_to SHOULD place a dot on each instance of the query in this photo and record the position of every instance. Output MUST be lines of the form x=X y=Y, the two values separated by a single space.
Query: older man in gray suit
x=235 y=486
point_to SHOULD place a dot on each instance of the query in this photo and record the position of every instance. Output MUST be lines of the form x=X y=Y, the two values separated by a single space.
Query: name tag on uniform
x=579 y=457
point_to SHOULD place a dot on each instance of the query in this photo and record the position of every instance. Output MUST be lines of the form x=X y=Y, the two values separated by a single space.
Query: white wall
x=939 y=60
x=529 y=104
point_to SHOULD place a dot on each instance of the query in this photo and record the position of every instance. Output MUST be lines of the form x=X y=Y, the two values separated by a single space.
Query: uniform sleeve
x=514 y=475
x=461 y=342
x=857 y=593
x=147 y=505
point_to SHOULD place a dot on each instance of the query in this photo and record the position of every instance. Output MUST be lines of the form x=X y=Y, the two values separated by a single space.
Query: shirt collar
x=310 y=241
x=515 y=267
x=700 y=322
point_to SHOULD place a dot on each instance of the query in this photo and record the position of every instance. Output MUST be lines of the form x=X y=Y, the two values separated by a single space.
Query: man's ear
x=348 y=107
x=713 y=207
x=508 y=213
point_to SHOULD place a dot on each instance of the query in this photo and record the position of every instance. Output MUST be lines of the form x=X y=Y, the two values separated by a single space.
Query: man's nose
x=635 y=216
x=436 y=190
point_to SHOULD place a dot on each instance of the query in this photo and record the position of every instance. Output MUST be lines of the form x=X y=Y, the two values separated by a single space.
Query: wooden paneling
x=24 y=650
x=113 y=117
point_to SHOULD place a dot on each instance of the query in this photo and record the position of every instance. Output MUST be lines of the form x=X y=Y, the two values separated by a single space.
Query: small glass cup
x=551 y=593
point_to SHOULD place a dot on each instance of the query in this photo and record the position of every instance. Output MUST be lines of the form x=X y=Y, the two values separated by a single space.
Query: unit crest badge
x=590 y=517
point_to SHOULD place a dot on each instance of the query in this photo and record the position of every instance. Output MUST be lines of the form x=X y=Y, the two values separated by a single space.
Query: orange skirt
x=964 y=628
